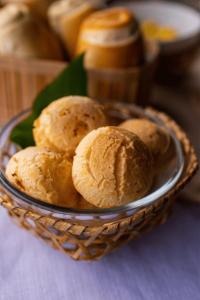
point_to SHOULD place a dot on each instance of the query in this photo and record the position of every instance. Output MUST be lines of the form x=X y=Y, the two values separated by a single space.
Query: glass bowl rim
x=137 y=204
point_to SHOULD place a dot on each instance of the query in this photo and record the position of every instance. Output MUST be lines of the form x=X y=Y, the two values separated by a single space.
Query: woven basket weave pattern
x=93 y=241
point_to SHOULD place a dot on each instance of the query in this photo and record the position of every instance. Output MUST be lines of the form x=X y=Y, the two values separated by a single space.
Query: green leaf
x=71 y=81
x=22 y=133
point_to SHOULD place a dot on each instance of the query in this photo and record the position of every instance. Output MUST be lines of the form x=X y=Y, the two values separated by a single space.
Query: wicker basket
x=20 y=82
x=92 y=239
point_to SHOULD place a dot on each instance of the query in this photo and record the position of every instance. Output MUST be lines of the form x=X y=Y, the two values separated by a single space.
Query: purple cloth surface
x=162 y=265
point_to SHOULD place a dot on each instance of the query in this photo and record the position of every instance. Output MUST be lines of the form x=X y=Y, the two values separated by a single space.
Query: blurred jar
x=66 y=16
x=111 y=39
x=120 y=67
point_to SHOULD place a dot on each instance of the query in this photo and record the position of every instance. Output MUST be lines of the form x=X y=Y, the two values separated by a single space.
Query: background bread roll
x=25 y=35
x=38 y=6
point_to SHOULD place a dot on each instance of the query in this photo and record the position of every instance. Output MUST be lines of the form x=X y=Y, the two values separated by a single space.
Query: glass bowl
x=164 y=181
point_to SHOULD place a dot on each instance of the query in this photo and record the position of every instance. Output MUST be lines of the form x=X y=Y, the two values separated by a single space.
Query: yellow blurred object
x=154 y=31
x=149 y=29
x=167 y=34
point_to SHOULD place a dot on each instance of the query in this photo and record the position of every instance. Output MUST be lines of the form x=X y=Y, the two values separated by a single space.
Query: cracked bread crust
x=63 y=124
x=155 y=137
x=112 y=167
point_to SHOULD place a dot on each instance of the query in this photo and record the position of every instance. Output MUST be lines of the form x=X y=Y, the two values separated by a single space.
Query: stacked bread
x=80 y=160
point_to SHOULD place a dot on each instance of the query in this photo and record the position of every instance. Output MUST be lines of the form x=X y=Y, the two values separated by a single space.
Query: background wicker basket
x=22 y=79
x=93 y=240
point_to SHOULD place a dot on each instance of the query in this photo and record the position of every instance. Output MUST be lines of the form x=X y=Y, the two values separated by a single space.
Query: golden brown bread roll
x=155 y=137
x=111 y=39
x=66 y=16
x=63 y=123
x=43 y=174
x=23 y=35
x=112 y=167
